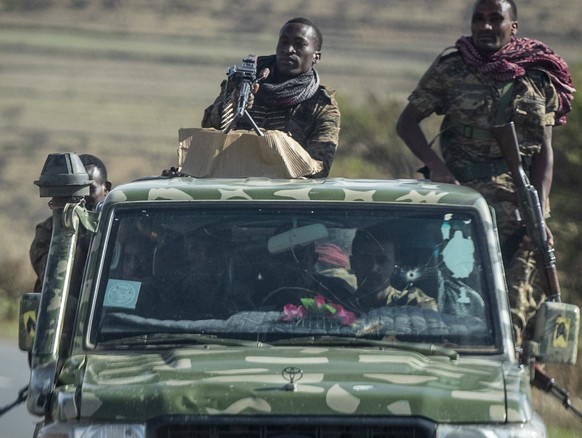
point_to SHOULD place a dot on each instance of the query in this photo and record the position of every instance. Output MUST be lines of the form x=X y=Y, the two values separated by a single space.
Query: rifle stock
x=530 y=209
x=548 y=384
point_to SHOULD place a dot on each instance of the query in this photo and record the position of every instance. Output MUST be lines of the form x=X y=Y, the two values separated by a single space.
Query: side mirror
x=556 y=332
x=29 y=304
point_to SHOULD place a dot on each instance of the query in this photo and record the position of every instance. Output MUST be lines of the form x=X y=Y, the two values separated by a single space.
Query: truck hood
x=329 y=381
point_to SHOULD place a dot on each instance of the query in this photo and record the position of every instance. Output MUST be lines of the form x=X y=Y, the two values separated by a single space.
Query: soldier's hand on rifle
x=255 y=88
x=251 y=98
x=550 y=236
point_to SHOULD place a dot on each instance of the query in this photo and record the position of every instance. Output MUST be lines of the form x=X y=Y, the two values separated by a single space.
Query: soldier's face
x=492 y=26
x=98 y=188
x=296 y=53
x=373 y=264
x=205 y=255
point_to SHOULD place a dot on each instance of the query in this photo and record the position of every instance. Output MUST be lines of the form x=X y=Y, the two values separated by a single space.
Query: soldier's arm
x=213 y=113
x=39 y=250
x=323 y=142
x=542 y=173
x=408 y=128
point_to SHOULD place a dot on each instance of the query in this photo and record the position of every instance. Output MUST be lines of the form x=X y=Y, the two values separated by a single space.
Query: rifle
x=241 y=78
x=548 y=384
x=529 y=205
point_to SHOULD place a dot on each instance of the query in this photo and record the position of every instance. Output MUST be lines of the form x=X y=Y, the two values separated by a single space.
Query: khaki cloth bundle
x=208 y=153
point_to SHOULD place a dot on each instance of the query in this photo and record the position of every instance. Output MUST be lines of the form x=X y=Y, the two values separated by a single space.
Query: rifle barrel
x=548 y=384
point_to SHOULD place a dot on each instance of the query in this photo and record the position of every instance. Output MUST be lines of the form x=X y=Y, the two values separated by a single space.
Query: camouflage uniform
x=39 y=250
x=412 y=296
x=313 y=123
x=469 y=102
x=360 y=300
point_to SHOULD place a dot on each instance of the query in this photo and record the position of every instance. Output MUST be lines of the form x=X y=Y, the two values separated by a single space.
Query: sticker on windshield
x=122 y=293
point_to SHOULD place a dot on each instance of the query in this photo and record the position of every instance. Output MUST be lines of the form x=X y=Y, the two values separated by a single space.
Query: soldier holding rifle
x=491 y=78
x=289 y=96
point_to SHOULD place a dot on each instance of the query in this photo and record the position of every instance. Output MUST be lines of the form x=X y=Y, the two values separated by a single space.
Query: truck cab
x=242 y=307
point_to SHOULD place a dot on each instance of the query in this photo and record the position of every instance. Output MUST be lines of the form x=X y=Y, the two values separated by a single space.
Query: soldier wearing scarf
x=490 y=78
x=290 y=98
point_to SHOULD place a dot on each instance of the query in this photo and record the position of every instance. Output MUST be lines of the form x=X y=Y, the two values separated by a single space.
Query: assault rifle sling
x=530 y=209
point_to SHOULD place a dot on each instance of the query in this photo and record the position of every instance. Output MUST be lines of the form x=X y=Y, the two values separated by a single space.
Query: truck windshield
x=271 y=273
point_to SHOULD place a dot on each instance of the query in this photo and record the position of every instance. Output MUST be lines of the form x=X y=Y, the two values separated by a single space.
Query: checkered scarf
x=289 y=92
x=512 y=61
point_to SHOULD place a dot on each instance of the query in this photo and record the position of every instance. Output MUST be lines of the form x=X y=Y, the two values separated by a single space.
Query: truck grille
x=289 y=428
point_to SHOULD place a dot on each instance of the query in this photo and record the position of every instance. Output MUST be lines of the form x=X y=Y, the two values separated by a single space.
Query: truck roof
x=331 y=189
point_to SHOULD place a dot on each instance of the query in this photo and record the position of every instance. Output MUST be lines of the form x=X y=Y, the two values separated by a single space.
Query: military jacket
x=412 y=296
x=469 y=101
x=39 y=250
x=313 y=123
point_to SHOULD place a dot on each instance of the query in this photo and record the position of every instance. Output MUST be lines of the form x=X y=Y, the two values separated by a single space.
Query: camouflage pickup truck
x=256 y=307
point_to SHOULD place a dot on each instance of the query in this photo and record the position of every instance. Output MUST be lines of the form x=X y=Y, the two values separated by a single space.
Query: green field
x=119 y=78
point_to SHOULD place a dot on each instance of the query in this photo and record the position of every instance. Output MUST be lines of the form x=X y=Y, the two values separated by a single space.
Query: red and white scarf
x=517 y=56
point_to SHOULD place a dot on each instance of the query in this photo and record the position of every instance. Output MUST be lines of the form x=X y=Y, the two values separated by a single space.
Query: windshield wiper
x=421 y=347
x=161 y=338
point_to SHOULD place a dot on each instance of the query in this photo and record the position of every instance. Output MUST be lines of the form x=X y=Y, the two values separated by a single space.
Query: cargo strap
x=505 y=98
x=21 y=398
x=468 y=131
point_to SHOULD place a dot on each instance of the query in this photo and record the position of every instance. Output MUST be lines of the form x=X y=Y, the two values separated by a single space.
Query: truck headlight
x=533 y=429
x=93 y=431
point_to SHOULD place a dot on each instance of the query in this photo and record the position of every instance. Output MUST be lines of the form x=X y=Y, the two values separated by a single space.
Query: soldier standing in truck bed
x=39 y=248
x=490 y=78
x=290 y=97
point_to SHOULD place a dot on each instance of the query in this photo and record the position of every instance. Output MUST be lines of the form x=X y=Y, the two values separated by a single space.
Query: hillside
x=119 y=78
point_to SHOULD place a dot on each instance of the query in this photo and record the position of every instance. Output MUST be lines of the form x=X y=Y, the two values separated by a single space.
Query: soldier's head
x=100 y=185
x=373 y=258
x=298 y=48
x=205 y=251
x=493 y=24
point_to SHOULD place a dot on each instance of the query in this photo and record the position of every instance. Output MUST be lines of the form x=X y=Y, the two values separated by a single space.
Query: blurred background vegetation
x=118 y=78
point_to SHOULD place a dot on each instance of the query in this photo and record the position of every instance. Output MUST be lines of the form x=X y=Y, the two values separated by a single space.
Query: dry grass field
x=118 y=78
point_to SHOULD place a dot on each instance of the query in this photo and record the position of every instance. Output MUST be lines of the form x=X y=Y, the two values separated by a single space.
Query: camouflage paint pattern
x=263 y=189
x=51 y=314
x=336 y=381
x=114 y=386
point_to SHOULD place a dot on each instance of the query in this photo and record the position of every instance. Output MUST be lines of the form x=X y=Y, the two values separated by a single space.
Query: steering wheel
x=286 y=295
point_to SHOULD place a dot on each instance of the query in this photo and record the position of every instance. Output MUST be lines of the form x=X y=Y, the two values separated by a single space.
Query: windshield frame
x=115 y=210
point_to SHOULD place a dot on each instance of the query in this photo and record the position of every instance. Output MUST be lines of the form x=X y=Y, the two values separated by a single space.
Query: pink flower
x=317 y=306
x=291 y=312
x=319 y=301
x=345 y=316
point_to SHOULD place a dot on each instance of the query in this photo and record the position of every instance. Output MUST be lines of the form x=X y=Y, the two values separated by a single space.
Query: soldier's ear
x=316 y=57
x=107 y=186
x=514 y=27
